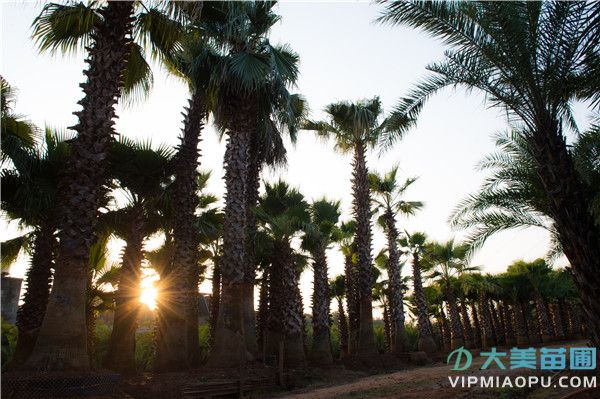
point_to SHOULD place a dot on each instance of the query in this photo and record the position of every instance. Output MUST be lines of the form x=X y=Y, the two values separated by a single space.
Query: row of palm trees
x=235 y=75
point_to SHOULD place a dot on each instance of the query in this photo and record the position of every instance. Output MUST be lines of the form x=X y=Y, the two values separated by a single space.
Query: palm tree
x=355 y=128
x=142 y=173
x=449 y=262
x=532 y=60
x=514 y=197
x=415 y=245
x=18 y=134
x=106 y=34
x=348 y=248
x=388 y=203
x=29 y=195
x=251 y=87
x=282 y=212
x=61 y=343
x=537 y=273
x=337 y=288
x=318 y=236
x=266 y=148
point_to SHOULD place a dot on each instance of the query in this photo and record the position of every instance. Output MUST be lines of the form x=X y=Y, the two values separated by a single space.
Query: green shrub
x=9 y=341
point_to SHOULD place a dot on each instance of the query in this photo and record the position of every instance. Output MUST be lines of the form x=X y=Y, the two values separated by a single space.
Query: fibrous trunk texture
x=509 y=328
x=362 y=212
x=544 y=318
x=487 y=334
x=426 y=341
x=343 y=326
x=262 y=315
x=230 y=347
x=121 y=351
x=476 y=326
x=179 y=345
x=293 y=313
x=252 y=194
x=61 y=343
x=353 y=303
x=520 y=324
x=215 y=299
x=321 y=346
x=457 y=338
x=38 y=280
x=467 y=327
x=569 y=209
x=399 y=340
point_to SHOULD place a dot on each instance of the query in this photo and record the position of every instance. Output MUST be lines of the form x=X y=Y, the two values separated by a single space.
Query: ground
x=430 y=383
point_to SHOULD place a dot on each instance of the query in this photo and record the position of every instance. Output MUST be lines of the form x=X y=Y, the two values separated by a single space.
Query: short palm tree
x=142 y=173
x=414 y=245
x=337 y=289
x=448 y=262
x=319 y=234
x=282 y=212
x=387 y=195
x=356 y=127
x=532 y=60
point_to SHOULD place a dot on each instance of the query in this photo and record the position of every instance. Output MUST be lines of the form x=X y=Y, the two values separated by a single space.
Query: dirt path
x=428 y=383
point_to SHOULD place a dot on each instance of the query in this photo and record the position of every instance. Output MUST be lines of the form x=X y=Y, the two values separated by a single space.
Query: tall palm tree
x=29 y=194
x=318 y=236
x=252 y=86
x=532 y=60
x=387 y=195
x=142 y=173
x=282 y=213
x=449 y=262
x=337 y=288
x=414 y=245
x=356 y=127
x=61 y=343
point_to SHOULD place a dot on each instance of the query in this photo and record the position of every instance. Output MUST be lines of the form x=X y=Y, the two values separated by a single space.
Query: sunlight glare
x=149 y=292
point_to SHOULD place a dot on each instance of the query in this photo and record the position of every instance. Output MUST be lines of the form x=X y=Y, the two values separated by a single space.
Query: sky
x=344 y=55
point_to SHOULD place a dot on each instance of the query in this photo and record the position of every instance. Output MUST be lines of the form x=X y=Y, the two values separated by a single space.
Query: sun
x=149 y=293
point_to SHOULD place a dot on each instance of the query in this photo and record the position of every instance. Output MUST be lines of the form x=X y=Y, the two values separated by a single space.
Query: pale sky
x=344 y=56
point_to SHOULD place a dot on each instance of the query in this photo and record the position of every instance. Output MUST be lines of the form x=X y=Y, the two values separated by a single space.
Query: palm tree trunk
x=533 y=325
x=399 y=340
x=230 y=347
x=362 y=213
x=569 y=208
x=574 y=320
x=343 y=326
x=353 y=304
x=557 y=323
x=509 y=328
x=456 y=328
x=321 y=347
x=498 y=326
x=215 y=299
x=477 y=342
x=293 y=313
x=38 y=281
x=467 y=327
x=544 y=318
x=445 y=329
x=387 y=328
x=262 y=316
x=252 y=194
x=487 y=336
x=426 y=341
x=61 y=343
x=179 y=299
x=564 y=317
x=520 y=324
x=121 y=351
